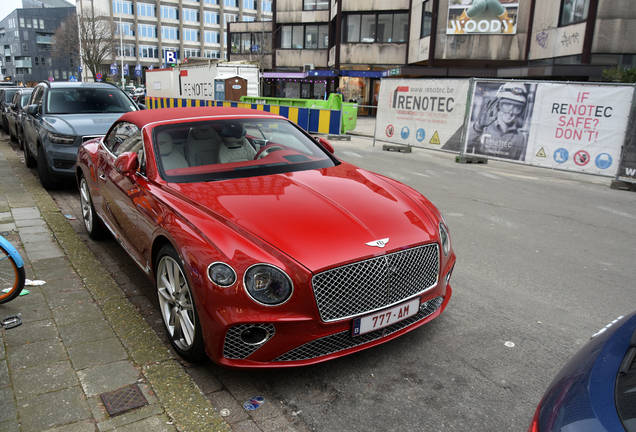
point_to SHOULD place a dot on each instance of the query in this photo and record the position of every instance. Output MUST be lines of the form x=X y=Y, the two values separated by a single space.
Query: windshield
x=87 y=100
x=224 y=149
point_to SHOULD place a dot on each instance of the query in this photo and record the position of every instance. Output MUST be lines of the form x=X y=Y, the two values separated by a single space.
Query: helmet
x=513 y=91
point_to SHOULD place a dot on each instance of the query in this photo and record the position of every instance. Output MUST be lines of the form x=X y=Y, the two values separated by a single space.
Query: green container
x=349 y=110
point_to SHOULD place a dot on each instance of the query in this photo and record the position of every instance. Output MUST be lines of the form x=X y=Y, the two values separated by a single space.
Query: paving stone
x=8 y=409
x=83 y=426
x=50 y=263
x=96 y=353
x=34 y=331
x=28 y=313
x=54 y=287
x=100 y=379
x=4 y=374
x=245 y=426
x=34 y=354
x=52 y=252
x=224 y=400
x=61 y=300
x=10 y=426
x=86 y=331
x=160 y=423
x=75 y=313
x=26 y=213
x=30 y=222
x=53 y=409
x=10 y=226
x=34 y=296
x=43 y=379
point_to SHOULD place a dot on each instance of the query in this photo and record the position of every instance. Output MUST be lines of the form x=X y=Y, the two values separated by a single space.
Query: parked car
x=62 y=115
x=16 y=111
x=6 y=96
x=594 y=391
x=139 y=95
x=264 y=248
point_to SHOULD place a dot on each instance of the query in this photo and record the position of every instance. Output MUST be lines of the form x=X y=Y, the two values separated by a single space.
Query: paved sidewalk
x=80 y=336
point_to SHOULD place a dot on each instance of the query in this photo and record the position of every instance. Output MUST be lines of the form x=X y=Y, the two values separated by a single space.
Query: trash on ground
x=29 y=282
x=509 y=344
x=22 y=293
x=225 y=412
x=70 y=217
x=254 y=403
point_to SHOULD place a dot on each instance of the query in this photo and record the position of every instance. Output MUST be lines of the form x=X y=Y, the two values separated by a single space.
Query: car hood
x=320 y=218
x=81 y=124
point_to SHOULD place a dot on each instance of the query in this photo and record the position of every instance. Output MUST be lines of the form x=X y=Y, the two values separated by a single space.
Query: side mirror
x=32 y=109
x=141 y=106
x=127 y=163
x=326 y=144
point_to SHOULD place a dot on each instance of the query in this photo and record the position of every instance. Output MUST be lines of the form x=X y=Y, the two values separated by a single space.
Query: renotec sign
x=482 y=17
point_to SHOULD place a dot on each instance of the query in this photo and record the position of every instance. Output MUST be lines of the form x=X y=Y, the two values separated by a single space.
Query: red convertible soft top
x=144 y=117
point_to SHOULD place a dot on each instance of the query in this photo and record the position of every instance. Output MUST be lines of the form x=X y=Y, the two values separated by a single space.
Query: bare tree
x=96 y=33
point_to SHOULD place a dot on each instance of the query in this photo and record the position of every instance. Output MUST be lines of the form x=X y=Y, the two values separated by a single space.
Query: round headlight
x=445 y=238
x=267 y=284
x=221 y=274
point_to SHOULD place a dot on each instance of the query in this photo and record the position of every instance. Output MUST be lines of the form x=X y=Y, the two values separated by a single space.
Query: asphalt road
x=545 y=259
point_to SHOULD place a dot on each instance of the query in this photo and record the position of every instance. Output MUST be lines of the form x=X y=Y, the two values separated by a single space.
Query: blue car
x=596 y=390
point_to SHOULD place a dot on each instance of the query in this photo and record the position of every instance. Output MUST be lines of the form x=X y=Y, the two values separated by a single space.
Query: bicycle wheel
x=11 y=277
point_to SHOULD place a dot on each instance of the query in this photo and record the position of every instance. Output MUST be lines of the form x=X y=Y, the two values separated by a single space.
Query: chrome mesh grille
x=376 y=283
x=235 y=348
x=342 y=341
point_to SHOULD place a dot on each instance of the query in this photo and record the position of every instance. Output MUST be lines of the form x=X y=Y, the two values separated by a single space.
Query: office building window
x=310 y=5
x=211 y=1
x=148 y=51
x=170 y=32
x=147 y=10
x=169 y=12
x=229 y=18
x=147 y=30
x=212 y=54
x=122 y=7
x=191 y=35
x=211 y=17
x=124 y=28
x=376 y=28
x=251 y=43
x=191 y=52
x=249 y=4
x=427 y=18
x=305 y=36
x=231 y=3
x=266 y=5
x=42 y=24
x=211 y=36
x=190 y=15
x=129 y=50
x=248 y=18
x=573 y=11
x=35 y=23
x=21 y=22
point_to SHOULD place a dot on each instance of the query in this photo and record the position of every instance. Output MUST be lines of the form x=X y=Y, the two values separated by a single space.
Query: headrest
x=165 y=143
x=232 y=130
x=202 y=132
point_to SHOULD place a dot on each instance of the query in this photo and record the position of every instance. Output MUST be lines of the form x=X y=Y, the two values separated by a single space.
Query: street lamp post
x=121 y=53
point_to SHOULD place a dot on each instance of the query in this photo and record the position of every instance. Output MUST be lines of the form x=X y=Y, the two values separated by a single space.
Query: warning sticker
x=435 y=139
x=581 y=158
x=542 y=153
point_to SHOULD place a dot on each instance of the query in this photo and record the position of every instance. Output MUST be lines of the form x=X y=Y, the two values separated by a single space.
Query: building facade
x=194 y=29
x=26 y=39
x=352 y=44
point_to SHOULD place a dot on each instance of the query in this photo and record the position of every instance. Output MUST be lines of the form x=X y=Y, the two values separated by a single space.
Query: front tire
x=43 y=172
x=177 y=307
x=93 y=225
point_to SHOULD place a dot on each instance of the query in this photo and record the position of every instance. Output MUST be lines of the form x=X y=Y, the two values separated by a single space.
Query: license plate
x=386 y=317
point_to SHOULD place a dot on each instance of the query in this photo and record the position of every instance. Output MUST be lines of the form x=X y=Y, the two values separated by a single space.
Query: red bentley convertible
x=265 y=249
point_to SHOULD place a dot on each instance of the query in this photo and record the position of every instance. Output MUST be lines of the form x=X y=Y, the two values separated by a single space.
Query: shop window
x=376 y=28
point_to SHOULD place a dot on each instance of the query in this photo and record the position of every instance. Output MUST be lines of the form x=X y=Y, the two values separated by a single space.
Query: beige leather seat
x=170 y=158
x=202 y=146
x=236 y=150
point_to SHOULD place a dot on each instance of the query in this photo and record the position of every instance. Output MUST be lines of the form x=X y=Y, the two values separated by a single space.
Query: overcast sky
x=8 y=6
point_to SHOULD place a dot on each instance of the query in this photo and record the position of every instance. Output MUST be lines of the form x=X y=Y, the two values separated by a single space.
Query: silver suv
x=62 y=115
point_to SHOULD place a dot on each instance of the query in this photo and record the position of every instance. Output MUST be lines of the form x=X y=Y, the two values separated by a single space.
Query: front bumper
x=291 y=342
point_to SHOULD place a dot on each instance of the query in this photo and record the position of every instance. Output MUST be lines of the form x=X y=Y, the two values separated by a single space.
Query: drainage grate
x=124 y=399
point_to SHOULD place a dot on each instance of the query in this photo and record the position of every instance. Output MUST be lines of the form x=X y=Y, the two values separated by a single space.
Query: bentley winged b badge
x=378 y=243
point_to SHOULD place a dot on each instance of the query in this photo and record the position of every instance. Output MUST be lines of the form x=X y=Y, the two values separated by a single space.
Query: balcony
x=44 y=40
x=23 y=63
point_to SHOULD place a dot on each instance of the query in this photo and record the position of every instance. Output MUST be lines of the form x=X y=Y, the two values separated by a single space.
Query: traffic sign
x=72 y=79
x=98 y=76
x=80 y=69
x=51 y=79
x=171 y=57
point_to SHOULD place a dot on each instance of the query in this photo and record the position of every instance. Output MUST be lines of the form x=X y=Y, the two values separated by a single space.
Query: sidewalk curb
x=181 y=398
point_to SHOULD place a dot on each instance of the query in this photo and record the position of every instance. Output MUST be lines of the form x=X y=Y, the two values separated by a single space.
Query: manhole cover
x=124 y=399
